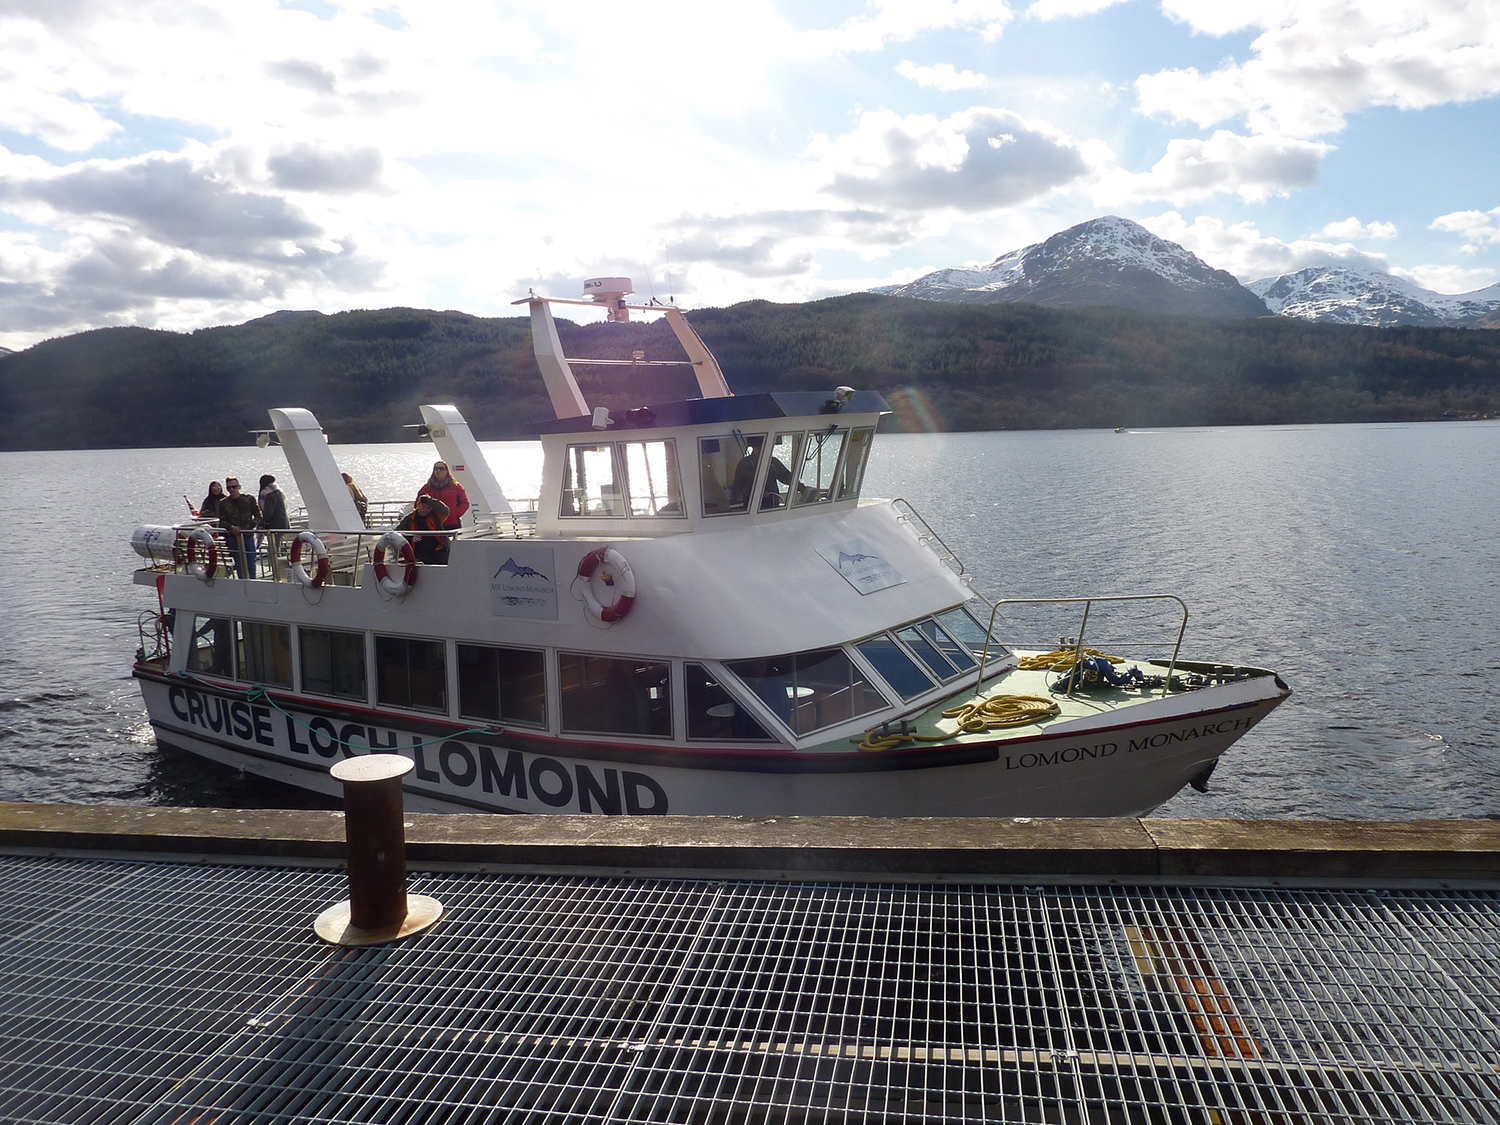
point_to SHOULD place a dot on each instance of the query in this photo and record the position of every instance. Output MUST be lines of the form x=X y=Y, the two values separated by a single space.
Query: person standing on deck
x=239 y=516
x=273 y=518
x=442 y=487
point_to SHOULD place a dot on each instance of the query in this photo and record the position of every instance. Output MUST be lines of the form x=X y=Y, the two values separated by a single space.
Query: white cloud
x=1315 y=61
x=940 y=77
x=1254 y=168
x=1245 y=252
x=898 y=21
x=1447 y=279
x=977 y=160
x=1477 y=228
x=1061 y=9
x=1351 y=229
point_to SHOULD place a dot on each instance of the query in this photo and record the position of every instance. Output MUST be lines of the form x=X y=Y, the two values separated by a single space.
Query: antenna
x=667 y=250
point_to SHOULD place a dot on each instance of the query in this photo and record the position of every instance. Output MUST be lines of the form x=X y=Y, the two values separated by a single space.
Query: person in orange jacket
x=442 y=487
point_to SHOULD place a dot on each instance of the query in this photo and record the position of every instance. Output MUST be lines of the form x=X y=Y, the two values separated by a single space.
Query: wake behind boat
x=699 y=614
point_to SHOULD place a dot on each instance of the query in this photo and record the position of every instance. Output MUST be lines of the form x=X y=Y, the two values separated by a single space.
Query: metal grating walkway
x=197 y=994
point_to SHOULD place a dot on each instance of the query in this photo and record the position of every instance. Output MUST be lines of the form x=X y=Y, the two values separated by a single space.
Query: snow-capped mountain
x=1366 y=295
x=1107 y=261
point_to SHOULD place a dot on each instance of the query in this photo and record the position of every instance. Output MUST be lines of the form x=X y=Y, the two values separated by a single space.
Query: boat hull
x=1123 y=764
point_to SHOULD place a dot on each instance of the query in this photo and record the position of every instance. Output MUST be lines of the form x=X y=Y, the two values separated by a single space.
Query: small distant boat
x=701 y=613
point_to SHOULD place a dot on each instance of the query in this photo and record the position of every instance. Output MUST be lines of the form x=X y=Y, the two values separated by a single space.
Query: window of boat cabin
x=962 y=625
x=712 y=713
x=212 y=649
x=651 y=474
x=820 y=462
x=779 y=475
x=944 y=656
x=810 y=690
x=729 y=465
x=895 y=665
x=591 y=481
x=615 y=695
x=410 y=672
x=502 y=684
x=333 y=662
x=264 y=653
x=855 y=456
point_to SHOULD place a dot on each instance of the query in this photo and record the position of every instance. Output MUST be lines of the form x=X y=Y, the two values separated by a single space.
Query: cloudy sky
x=182 y=163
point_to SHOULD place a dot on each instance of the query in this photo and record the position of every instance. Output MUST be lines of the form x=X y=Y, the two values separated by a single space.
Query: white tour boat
x=699 y=614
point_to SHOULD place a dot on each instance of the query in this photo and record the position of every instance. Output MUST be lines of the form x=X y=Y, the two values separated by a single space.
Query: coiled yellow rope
x=993 y=713
x=1061 y=659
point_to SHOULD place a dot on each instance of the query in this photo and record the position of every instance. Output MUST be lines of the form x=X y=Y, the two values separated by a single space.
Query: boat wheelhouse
x=700 y=613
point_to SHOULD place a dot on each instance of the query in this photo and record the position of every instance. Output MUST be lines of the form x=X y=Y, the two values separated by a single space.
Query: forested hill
x=364 y=374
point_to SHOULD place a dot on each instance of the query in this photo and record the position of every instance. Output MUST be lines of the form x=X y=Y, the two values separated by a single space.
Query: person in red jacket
x=441 y=486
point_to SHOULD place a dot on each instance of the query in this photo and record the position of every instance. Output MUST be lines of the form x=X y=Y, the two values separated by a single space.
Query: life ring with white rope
x=616 y=573
x=204 y=570
x=319 y=555
x=395 y=544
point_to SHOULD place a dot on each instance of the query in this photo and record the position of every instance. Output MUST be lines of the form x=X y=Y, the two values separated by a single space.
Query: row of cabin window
x=600 y=694
x=807 y=691
x=641 y=478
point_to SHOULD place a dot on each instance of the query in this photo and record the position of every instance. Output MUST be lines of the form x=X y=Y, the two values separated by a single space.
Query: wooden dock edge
x=1092 y=849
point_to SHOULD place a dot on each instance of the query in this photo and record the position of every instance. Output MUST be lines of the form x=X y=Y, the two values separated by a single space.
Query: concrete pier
x=944 y=848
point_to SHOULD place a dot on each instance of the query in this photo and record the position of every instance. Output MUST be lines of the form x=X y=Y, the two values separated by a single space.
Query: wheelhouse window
x=820 y=462
x=333 y=662
x=712 y=713
x=729 y=466
x=615 y=695
x=855 y=456
x=895 y=666
x=963 y=627
x=591 y=481
x=651 y=472
x=943 y=656
x=810 y=690
x=211 y=651
x=410 y=672
x=264 y=653
x=502 y=684
x=779 y=475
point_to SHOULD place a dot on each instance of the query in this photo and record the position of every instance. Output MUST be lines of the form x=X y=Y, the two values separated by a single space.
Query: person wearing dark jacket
x=442 y=487
x=273 y=518
x=239 y=516
x=209 y=509
x=428 y=515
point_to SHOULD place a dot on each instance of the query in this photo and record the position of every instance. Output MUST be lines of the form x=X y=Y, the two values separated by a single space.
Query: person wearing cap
x=427 y=515
x=442 y=487
x=239 y=516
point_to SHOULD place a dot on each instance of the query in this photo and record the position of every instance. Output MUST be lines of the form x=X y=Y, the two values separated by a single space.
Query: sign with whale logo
x=861 y=567
x=523 y=581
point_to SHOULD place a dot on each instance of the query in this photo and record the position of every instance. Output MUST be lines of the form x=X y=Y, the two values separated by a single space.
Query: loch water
x=1362 y=562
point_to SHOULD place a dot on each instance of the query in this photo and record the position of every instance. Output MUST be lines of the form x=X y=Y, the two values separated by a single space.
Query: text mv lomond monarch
x=699 y=614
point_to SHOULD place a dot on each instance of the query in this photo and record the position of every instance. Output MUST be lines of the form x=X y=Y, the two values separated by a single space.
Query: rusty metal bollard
x=378 y=908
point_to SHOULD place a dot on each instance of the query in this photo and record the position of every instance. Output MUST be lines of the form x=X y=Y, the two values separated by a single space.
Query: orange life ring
x=319 y=554
x=203 y=571
x=396 y=544
x=616 y=572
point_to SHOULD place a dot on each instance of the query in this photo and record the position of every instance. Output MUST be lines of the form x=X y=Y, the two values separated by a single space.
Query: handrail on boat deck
x=927 y=535
x=1088 y=604
x=348 y=550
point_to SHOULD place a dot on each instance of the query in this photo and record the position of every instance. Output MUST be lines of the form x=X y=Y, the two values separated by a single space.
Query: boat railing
x=348 y=551
x=1079 y=642
x=907 y=512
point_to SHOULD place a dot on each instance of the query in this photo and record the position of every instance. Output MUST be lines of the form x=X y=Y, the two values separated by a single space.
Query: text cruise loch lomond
x=700 y=614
